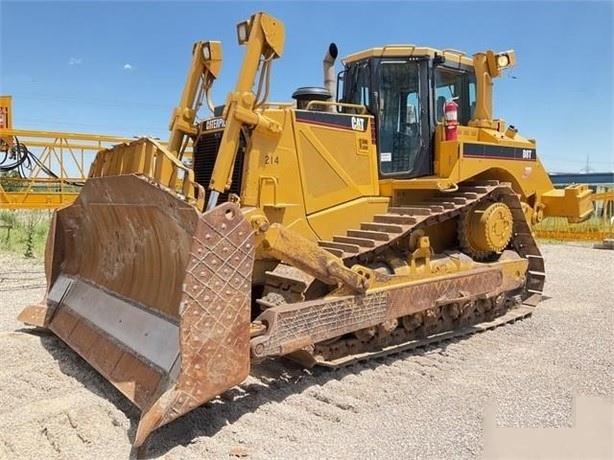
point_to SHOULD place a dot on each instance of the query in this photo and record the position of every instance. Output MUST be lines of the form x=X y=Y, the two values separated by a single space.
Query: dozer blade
x=152 y=293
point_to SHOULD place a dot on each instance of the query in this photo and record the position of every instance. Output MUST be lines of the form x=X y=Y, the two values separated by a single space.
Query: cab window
x=457 y=86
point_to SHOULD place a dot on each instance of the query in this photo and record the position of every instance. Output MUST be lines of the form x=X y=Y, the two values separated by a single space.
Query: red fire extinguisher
x=450 y=111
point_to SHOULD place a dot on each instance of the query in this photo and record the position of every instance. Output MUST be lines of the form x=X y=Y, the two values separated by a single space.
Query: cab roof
x=408 y=50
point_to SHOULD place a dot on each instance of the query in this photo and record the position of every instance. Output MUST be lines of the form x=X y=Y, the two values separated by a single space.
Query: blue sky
x=118 y=68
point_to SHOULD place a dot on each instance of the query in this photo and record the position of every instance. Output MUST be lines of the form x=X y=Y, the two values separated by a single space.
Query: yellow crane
x=46 y=169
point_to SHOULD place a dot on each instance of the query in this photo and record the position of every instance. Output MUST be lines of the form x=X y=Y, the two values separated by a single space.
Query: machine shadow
x=73 y=365
x=278 y=379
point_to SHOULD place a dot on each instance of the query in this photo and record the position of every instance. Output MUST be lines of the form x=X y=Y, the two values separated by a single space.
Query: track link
x=513 y=315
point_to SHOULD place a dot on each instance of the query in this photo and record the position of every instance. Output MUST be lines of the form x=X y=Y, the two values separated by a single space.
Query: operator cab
x=405 y=88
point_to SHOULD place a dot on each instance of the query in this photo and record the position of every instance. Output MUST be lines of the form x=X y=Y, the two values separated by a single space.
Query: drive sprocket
x=485 y=229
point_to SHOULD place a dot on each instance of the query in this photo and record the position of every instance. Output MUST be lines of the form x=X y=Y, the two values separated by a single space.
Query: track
x=359 y=246
x=19 y=280
x=394 y=229
x=511 y=316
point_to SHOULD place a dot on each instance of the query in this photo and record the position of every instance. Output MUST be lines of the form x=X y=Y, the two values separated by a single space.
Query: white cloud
x=128 y=67
x=74 y=61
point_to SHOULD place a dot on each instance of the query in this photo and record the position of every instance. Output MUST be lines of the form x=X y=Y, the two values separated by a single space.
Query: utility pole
x=587 y=169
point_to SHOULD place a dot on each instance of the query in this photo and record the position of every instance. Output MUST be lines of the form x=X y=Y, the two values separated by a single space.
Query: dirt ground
x=429 y=404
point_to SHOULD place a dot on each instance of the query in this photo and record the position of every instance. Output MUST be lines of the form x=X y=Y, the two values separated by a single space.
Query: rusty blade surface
x=127 y=237
x=150 y=292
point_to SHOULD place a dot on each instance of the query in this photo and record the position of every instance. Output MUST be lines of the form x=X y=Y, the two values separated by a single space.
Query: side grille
x=205 y=154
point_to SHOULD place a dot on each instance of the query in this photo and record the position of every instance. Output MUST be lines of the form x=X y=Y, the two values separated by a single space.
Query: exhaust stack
x=330 y=81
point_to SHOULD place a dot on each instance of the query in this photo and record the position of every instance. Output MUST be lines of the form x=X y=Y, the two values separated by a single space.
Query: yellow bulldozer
x=382 y=211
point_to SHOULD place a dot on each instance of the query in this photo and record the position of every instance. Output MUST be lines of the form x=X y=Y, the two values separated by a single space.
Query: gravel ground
x=428 y=404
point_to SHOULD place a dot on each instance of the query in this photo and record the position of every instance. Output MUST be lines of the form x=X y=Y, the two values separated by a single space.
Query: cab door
x=404 y=141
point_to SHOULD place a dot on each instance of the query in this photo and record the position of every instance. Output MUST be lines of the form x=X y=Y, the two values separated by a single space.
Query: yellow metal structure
x=6 y=112
x=6 y=122
x=59 y=163
x=333 y=232
x=68 y=155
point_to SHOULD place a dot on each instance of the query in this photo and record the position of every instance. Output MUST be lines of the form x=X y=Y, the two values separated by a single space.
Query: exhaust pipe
x=330 y=80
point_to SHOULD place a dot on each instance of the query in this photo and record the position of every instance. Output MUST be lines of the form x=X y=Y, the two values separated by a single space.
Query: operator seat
x=441 y=101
